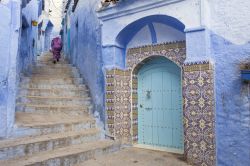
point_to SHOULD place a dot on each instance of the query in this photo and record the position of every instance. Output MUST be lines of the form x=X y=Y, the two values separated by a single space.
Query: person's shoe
x=54 y=61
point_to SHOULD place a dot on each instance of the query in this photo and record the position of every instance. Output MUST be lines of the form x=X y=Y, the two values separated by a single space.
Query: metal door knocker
x=148 y=94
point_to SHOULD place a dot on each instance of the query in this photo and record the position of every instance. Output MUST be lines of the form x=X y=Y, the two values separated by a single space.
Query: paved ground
x=137 y=157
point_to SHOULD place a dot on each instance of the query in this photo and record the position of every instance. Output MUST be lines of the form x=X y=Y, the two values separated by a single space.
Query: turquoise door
x=160 y=117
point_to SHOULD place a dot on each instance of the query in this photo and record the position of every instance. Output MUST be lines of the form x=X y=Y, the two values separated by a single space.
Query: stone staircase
x=54 y=125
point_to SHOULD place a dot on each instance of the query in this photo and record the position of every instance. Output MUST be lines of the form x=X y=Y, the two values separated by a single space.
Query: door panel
x=160 y=105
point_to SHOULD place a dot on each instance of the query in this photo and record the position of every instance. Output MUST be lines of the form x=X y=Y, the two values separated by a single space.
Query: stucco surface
x=230 y=45
x=214 y=30
x=189 y=15
x=28 y=41
x=16 y=55
x=9 y=32
x=4 y=49
x=85 y=49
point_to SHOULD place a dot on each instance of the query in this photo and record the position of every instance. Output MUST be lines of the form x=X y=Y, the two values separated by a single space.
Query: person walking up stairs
x=54 y=125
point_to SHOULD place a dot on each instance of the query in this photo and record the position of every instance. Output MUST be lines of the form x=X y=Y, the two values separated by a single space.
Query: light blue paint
x=85 y=49
x=153 y=33
x=130 y=30
x=45 y=36
x=142 y=37
x=28 y=36
x=197 y=44
x=99 y=51
x=160 y=105
x=165 y=33
x=4 y=49
x=68 y=40
x=14 y=55
x=48 y=35
x=139 y=33
x=232 y=103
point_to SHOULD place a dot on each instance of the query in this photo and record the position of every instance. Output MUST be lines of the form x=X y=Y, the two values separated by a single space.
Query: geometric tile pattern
x=136 y=57
x=174 y=51
x=198 y=97
x=110 y=89
x=118 y=104
x=199 y=114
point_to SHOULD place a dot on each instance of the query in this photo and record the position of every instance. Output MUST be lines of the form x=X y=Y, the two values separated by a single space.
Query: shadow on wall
x=24 y=49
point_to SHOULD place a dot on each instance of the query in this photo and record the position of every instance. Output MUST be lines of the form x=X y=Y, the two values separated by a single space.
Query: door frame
x=134 y=104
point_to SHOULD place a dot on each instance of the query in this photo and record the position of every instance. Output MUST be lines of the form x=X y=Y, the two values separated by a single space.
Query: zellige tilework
x=198 y=100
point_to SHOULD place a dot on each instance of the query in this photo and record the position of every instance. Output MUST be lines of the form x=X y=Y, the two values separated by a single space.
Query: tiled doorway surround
x=198 y=100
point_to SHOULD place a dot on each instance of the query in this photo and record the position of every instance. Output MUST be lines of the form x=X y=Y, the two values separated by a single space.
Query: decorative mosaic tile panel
x=110 y=101
x=136 y=57
x=199 y=114
x=175 y=52
x=198 y=94
x=118 y=104
x=134 y=109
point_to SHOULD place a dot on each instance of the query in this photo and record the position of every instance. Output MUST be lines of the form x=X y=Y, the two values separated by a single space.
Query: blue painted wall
x=9 y=41
x=230 y=45
x=85 y=52
x=232 y=102
x=212 y=32
x=148 y=30
x=28 y=37
x=16 y=54
x=154 y=33
x=5 y=33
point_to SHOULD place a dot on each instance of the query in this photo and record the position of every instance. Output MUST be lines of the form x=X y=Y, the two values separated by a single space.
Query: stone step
x=55 y=74
x=68 y=70
x=50 y=86
x=62 y=101
x=49 y=109
x=50 y=60
x=50 y=63
x=67 y=156
x=51 y=80
x=53 y=65
x=20 y=147
x=40 y=67
x=28 y=124
x=53 y=98
x=54 y=92
x=47 y=77
x=46 y=69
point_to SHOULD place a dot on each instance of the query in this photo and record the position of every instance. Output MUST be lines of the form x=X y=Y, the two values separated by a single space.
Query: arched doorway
x=160 y=114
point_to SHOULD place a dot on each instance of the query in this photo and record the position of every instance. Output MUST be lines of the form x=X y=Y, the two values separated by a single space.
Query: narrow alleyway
x=130 y=83
x=54 y=125
x=53 y=120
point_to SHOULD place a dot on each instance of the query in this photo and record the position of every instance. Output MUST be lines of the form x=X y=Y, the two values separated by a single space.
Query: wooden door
x=160 y=117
